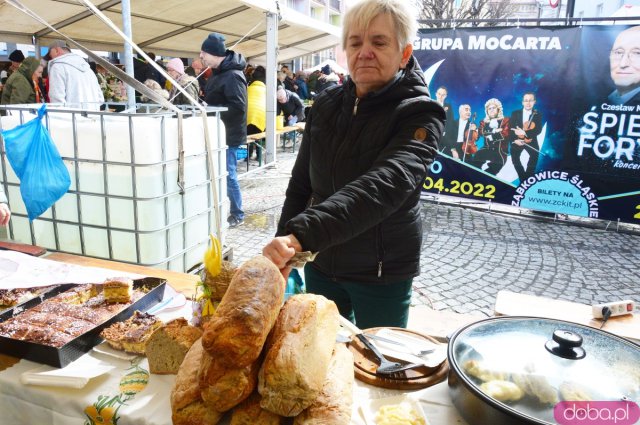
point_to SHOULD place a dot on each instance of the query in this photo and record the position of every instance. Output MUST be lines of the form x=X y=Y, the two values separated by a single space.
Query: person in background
x=312 y=81
x=290 y=105
x=22 y=85
x=256 y=107
x=228 y=87
x=16 y=57
x=156 y=87
x=5 y=211
x=287 y=78
x=354 y=193
x=71 y=80
x=202 y=73
x=301 y=83
x=327 y=79
x=175 y=68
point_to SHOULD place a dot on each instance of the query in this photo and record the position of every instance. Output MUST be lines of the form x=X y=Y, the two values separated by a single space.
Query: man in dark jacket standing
x=228 y=87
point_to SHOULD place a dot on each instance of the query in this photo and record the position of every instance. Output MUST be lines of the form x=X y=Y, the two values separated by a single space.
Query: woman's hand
x=281 y=249
x=5 y=214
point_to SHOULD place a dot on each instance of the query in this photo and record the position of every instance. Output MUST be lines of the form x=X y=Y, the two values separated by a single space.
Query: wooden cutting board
x=514 y=304
x=365 y=365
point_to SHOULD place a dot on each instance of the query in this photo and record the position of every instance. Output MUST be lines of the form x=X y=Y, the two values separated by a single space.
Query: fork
x=401 y=347
x=386 y=366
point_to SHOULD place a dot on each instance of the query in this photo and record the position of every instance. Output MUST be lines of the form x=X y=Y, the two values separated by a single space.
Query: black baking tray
x=7 y=312
x=74 y=349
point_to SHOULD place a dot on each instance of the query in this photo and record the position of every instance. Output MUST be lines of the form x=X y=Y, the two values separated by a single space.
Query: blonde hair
x=361 y=14
x=498 y=105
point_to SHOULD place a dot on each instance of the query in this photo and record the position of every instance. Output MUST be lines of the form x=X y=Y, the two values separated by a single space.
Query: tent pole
x=128 y=52
x=272 y=61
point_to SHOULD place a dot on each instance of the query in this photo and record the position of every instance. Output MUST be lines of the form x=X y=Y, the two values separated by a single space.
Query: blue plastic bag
x=36 y=161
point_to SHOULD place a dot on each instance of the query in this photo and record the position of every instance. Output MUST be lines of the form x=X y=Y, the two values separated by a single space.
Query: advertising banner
x=543 y=118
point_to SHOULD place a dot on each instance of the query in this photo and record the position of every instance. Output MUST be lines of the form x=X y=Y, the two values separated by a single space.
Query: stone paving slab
x=469 y=253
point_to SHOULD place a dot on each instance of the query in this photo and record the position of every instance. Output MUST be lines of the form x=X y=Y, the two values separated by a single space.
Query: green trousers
x=366 y=305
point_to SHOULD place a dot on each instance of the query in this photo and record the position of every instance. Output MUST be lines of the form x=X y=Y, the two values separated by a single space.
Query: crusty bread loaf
x=249 y=412
x=168 y=345
x=187 y=407
x=334 y=404
x=238 y=329
x=298 y=353
x=197 y=413
x=222 y=387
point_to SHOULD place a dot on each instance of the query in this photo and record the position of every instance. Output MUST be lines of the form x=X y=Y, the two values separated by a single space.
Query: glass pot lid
x=530 y=364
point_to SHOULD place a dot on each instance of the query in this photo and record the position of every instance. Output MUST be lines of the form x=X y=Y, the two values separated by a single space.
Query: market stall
x=104 y=384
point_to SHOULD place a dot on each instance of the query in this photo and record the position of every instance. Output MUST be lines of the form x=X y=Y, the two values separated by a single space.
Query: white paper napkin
x=432 y=359
x=75 y=375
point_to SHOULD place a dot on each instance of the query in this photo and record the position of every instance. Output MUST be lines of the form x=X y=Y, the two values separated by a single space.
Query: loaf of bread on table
x=223 y=387
x=249 y=412
x=168 y=345
x=187 y=407
x=298 y=353
x=334 y=404
x=238 y=329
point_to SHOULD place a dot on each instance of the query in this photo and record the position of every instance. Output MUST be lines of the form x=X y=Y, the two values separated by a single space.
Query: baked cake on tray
x=117 y=290
x=12 y=297
x=63 y=317
x=132 y=334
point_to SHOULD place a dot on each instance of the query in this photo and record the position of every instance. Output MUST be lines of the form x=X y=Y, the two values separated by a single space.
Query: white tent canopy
x=172 y=27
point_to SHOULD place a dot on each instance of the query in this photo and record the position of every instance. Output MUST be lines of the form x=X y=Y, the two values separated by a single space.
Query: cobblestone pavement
x=470 y=253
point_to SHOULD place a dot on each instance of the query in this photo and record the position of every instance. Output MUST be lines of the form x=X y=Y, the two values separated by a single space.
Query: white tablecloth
x=137 y=397
x=29 y=404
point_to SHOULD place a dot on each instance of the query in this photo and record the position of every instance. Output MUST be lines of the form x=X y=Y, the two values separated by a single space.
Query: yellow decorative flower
x=213 y=257
x=103 y=416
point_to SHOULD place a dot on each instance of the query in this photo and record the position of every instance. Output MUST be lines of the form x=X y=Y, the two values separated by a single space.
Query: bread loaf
x=222 y=387
x=298 y=353
x=334 y=404
x=238 y=329
x=187 y=407
x=168 y=345
x=249 y=412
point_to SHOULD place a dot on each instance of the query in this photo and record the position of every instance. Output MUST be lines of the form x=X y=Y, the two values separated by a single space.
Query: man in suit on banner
x=526 y=125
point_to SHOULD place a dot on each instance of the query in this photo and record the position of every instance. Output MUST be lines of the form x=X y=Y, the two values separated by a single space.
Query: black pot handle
x=566 y=344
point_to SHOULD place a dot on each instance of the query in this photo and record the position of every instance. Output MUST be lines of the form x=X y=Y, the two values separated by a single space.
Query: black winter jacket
x=355 y=187
x=227 y=86
x=293 y=106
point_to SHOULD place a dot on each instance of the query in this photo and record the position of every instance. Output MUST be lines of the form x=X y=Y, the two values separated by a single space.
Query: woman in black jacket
x=355 y=188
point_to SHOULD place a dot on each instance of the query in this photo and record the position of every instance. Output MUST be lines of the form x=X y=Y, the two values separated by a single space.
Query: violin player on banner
x=526 y=125
x=494 y=129
x=461 y=135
